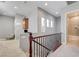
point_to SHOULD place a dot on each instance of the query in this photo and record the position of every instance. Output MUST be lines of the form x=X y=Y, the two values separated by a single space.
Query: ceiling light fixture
x=15 y=7
x=46 y=4
x=57 y=12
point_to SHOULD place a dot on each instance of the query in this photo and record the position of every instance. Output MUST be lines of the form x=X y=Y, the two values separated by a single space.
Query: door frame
x=66 y=18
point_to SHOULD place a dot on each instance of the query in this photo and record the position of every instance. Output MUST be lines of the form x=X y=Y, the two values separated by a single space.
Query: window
x=52 y=24
x=42 y=21
x=48 y=24
x=42 y=24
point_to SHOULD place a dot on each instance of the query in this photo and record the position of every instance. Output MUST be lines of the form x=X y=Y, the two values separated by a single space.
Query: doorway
x=73 y=28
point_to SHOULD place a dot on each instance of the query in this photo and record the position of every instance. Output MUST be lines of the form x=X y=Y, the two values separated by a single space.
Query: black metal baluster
x=34 y=49
x=44 y=45
x=39 y=47
x=43 y=48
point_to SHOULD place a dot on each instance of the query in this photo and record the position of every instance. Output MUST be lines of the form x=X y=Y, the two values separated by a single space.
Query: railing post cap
x=30 y=33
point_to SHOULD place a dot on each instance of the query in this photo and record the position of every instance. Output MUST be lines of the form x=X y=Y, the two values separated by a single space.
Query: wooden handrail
x=46 y=35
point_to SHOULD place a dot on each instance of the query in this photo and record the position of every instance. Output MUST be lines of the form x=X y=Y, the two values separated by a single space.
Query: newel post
x=30 y=44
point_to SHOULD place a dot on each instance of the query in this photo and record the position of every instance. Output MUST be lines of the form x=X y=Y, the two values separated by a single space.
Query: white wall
x=18 y=26
x=33 y=27
x=6 y=26
x=70 y=8
x=35 y=23
x=46 y=15
x=58 y=24
x=32 y=23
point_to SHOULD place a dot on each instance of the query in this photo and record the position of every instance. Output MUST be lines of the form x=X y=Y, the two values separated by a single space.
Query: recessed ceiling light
x=15 y=7
x=57 y=12
x=46 y=4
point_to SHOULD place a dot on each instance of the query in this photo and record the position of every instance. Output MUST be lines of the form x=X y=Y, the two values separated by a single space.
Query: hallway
x=37 y=28
x=10 y=48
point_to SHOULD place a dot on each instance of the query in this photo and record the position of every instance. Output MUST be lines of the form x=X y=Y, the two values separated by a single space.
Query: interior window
x=42 y=24
x=42 y=21
x=51 y=23
x=48 y=24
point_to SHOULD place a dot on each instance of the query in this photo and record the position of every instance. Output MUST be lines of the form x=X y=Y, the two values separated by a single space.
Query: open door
x=73 y=28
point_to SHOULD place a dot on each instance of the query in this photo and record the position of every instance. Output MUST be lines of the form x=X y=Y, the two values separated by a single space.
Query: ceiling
x=11 y=8
x=53 y=7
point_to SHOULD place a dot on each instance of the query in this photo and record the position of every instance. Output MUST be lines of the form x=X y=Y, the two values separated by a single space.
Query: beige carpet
x=10 y=48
